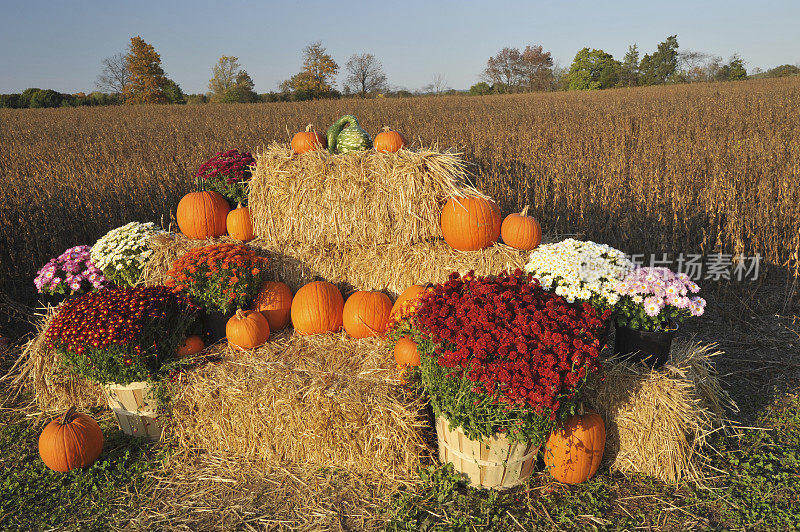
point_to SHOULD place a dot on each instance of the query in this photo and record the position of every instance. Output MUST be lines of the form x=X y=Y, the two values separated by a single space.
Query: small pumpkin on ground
x=347 y=135
x=365 y=314
x=408 y=294
x=389 y=141
x=471 y=223
x=308 y=140
x=73 y=440
x=317 y=308
x=191 y=346
x=247 y=329
x=240 y=224
x=274 y=301
x=203 y=214
x=521 y=231
x=573 y=452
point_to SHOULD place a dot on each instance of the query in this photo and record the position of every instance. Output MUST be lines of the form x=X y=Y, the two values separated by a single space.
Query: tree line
x=533 y=69
x=137 y=76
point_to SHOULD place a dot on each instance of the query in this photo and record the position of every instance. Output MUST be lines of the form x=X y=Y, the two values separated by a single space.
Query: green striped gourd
x=346 y=135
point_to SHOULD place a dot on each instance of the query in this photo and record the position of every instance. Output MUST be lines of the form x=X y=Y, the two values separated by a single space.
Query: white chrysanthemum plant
x=580 y=271
x=656 y=299
x=122 y=252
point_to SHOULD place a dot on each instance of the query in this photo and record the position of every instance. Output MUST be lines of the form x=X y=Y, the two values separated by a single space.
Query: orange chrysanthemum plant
x=221 y=277
x=400 y=332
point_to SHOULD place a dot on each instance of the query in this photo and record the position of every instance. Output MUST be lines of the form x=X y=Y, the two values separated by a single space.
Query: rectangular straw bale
x=327 y=400
x=658 y=421
x=356 y=199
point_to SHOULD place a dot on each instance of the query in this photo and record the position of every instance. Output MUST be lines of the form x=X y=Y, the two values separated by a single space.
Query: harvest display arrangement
x=361 y=304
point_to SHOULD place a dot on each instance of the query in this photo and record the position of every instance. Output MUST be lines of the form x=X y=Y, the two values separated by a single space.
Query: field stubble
x=680 y=169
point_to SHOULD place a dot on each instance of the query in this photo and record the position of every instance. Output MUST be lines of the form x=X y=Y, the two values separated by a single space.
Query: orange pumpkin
x=470 y=224
x=191 y=346
x=308 y=140
x=317 y=308
x=203 y=214
x=74 y=440
x=573 y=452
x=408 y=294
x=240 y=224
x=406 y=353
x=247 y=329
x=521 y=231
x=274 y=301
x=365 y=314
x=389 y=141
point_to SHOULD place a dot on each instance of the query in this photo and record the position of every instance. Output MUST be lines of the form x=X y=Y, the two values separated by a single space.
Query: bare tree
x=114 y=74
x=364 y=75
x=437 y=86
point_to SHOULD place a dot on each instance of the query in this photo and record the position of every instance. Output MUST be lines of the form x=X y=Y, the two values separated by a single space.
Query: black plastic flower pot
x=214 y=323
x=649 y=348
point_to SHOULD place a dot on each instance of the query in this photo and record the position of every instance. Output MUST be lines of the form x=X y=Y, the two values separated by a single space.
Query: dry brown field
x=681 y=169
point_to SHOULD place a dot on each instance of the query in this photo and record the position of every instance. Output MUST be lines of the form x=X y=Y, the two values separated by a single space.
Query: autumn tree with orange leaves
x=146 y=80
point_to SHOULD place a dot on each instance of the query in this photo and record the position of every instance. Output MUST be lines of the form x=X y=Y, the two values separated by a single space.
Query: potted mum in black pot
x=653 y=301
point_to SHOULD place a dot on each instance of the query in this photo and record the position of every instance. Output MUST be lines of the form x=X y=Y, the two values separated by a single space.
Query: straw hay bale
x=328 y=400
x=54 y=386
x=356 y=199
x=658 y=421
x=386 y=267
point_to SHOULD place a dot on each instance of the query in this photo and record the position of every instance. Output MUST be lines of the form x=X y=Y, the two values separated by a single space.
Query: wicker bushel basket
x=491 y=463
x=135 y=409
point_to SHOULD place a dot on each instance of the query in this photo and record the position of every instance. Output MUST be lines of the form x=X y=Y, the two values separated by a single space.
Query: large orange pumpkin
x=240 y=224
x=274 y=301
x=308 y=140
x=389 y=141
x=247 y=329
x=317 y=308
x=406 y=353
x=191 y=346
x=365 y=314
x=408 y=294
x=573 y=452
x=521 y=231
x=74 y=440
x=203 y=214
x=471 y=223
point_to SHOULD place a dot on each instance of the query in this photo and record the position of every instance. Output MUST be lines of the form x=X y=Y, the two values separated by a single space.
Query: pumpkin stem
x=69 y=416
x=387 y=128
x=238 y=205
x=240 y=314
x=309 y=127
x=581 y=409
x=524 y=211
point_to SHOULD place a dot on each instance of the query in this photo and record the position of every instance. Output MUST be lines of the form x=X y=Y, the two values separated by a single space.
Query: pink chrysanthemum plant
x=656 y=299
x=71 y=273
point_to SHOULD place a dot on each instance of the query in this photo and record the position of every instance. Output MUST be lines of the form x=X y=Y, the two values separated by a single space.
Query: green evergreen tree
x=658 y=68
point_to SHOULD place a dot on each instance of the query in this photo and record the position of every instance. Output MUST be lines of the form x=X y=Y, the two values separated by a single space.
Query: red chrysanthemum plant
x=121 y=335
x=501 y=355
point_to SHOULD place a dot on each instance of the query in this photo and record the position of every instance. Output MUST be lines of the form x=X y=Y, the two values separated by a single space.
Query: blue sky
x=59 y=44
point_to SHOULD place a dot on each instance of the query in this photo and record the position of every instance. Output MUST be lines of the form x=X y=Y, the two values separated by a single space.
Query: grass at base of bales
x=33 y=497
